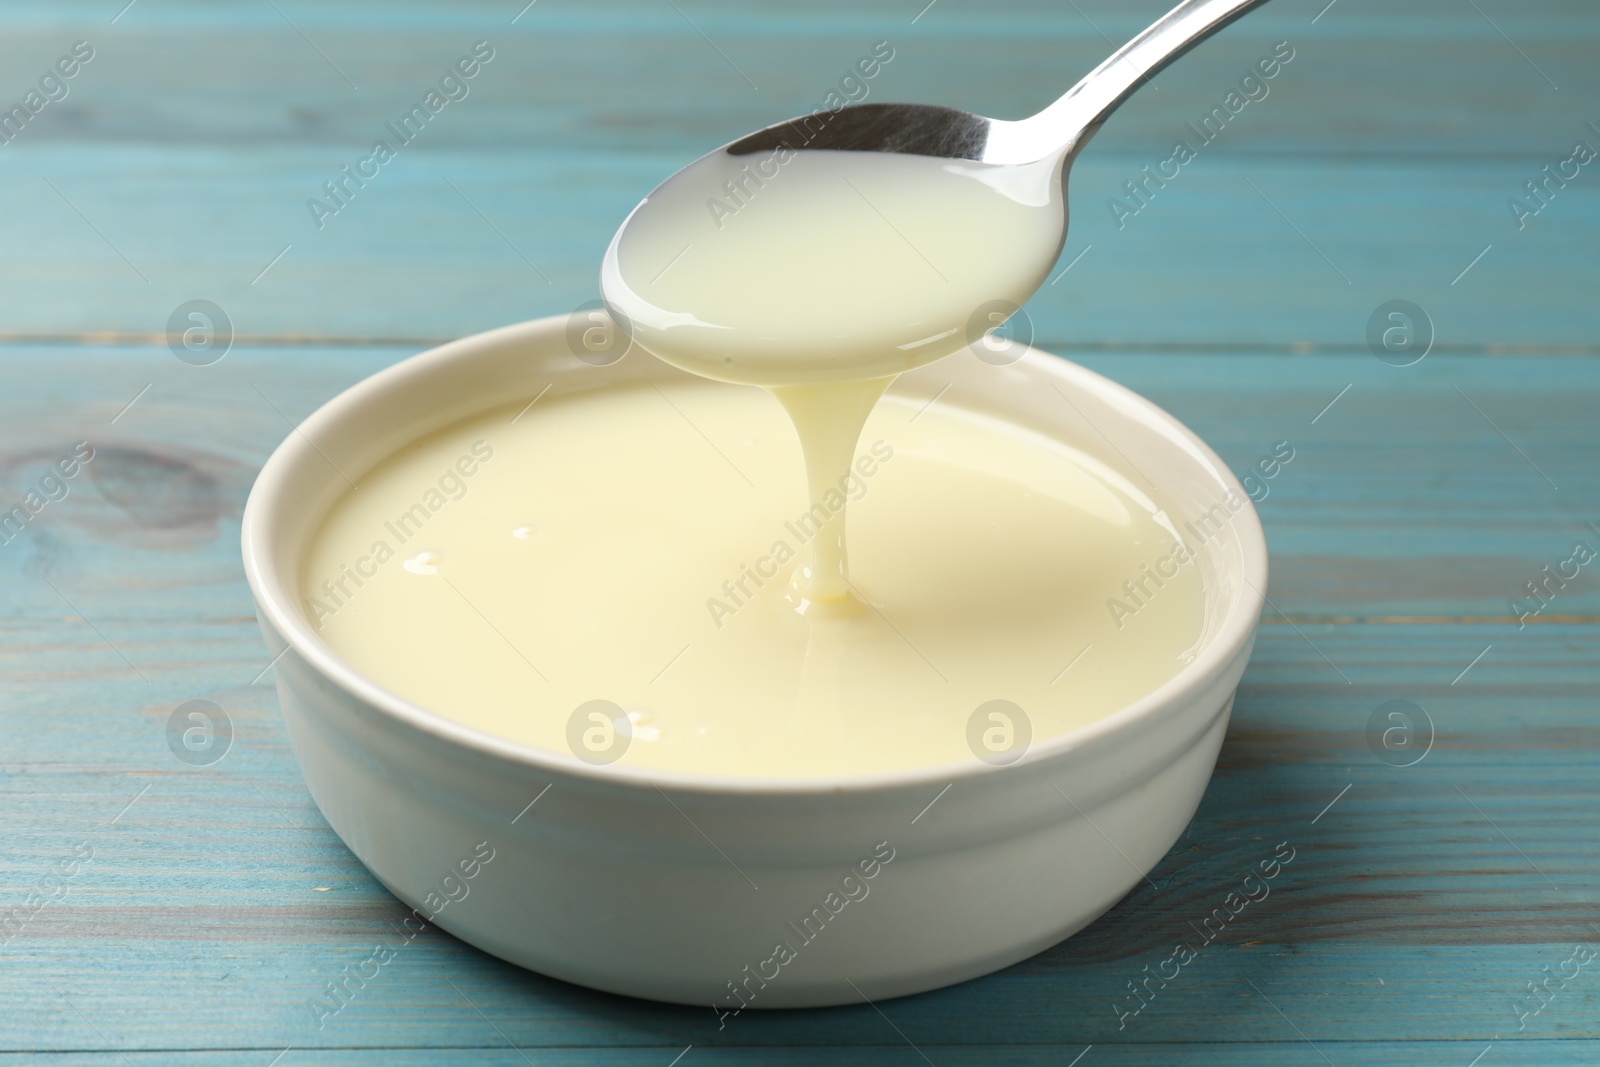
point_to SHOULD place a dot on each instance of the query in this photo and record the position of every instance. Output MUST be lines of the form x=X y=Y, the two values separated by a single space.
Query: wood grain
x=1421 y=900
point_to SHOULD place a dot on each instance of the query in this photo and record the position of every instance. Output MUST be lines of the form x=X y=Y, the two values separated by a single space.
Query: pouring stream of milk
x=821 y=276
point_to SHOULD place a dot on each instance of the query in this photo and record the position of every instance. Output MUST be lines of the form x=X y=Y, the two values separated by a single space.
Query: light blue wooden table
x=157 y=912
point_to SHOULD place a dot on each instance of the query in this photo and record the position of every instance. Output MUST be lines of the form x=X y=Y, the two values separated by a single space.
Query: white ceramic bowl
x=681 y=889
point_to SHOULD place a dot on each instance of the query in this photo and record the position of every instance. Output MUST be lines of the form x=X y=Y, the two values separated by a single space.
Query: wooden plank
x=1554 y=1053
x=1238 y=252
x=221 y=184
x=1404 y=878
x=162 y=910
x=1401 y=500
x=641 y=75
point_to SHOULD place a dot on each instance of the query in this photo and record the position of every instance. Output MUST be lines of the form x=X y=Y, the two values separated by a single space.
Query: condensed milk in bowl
x=776 y=634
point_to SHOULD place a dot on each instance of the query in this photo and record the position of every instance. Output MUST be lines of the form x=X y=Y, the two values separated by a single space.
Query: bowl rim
x=277 y=607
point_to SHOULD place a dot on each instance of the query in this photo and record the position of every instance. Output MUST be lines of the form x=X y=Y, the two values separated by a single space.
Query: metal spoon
x=822 y=310
x=1062 y=128
x=801 y=299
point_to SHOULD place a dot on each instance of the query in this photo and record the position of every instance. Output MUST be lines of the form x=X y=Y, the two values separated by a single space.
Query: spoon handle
x=1079 y=114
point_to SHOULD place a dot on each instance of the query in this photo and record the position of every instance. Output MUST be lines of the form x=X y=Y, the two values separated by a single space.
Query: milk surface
x=636 y=546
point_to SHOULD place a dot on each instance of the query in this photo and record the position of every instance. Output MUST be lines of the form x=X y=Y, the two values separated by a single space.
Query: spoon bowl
x=858 y=243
